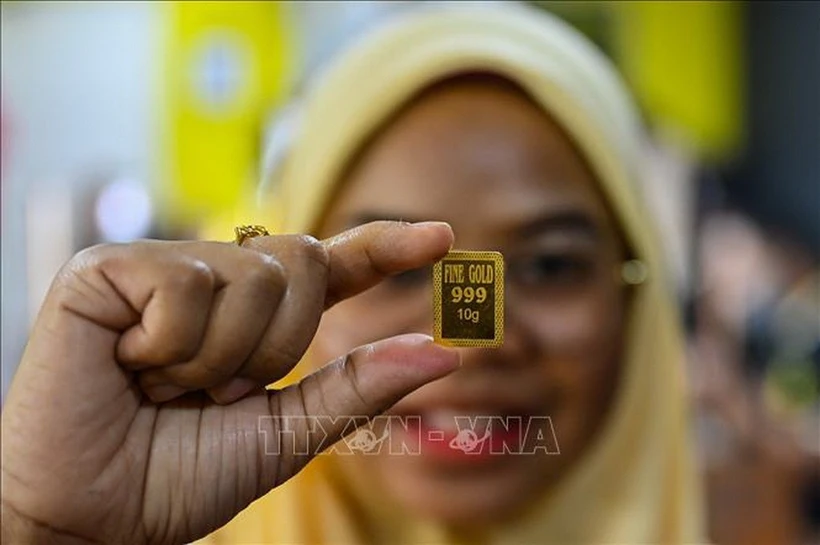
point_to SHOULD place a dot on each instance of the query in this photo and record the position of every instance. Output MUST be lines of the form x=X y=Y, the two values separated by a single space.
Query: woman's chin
x=481 y=492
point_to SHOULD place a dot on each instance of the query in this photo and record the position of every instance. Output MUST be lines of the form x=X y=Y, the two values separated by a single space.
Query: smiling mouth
x=457 y=437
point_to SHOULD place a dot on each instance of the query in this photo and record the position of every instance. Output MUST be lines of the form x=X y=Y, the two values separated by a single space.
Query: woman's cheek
x=581 y=347
x=577 y=331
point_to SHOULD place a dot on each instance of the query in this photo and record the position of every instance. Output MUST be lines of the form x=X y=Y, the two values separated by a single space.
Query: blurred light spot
x=220 y=71
x=634 y=272
x=123 y=211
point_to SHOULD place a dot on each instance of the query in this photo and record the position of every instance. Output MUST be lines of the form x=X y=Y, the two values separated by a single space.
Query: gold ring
x=244 y=232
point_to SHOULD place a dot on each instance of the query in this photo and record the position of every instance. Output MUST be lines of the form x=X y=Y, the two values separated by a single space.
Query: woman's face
x=481 y=156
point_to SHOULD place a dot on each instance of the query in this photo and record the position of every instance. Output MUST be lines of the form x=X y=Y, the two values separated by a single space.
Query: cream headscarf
x=636 y=483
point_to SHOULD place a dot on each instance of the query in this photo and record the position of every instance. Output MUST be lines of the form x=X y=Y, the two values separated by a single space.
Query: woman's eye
x=549 y=269
x=410 y=279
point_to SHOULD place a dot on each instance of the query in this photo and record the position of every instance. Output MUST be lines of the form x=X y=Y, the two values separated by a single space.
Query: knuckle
x=90 y=257
x=266 y=273
x=348 y=366
x=191 y=276
x=79 y=277
x=284 y=355
x=311 y=248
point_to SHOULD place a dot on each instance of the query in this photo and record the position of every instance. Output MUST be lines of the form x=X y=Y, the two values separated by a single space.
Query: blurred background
x=150 y=120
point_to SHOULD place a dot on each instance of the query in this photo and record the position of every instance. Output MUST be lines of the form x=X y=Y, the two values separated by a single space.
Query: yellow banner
x=685 y=62
x=226 y=66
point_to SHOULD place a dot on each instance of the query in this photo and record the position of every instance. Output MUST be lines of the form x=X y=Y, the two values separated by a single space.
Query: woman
x=514 y=130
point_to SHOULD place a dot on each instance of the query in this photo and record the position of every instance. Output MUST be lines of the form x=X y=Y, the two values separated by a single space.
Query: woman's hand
x=138 y=413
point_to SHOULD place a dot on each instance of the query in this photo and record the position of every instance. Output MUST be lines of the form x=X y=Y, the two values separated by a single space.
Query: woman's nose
x=518 y=349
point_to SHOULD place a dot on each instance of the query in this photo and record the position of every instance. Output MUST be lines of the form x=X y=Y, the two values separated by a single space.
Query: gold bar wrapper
x=468 y=299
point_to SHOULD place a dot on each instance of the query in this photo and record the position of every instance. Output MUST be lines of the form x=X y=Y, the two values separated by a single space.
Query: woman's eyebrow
x=575 y=221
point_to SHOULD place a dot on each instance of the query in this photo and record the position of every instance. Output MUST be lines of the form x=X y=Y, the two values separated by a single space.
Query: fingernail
x=414 y=339
x=233 y=390
x=436 y=227
x=164 y=392
x=446 y=359
x=427 y=224
x=420 y=339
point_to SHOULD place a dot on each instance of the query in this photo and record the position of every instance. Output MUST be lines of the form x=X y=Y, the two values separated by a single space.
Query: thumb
x=364 y=383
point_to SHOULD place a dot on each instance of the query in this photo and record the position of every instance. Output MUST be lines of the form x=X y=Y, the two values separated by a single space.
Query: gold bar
x=468 y=299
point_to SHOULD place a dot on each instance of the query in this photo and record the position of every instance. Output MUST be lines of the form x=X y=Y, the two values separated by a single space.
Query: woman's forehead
x=469 y=146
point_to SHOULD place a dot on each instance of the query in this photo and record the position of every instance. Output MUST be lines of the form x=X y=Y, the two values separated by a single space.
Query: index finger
x=361 y=257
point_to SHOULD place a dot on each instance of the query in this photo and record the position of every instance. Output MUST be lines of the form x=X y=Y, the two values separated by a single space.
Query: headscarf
x=636 y=482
